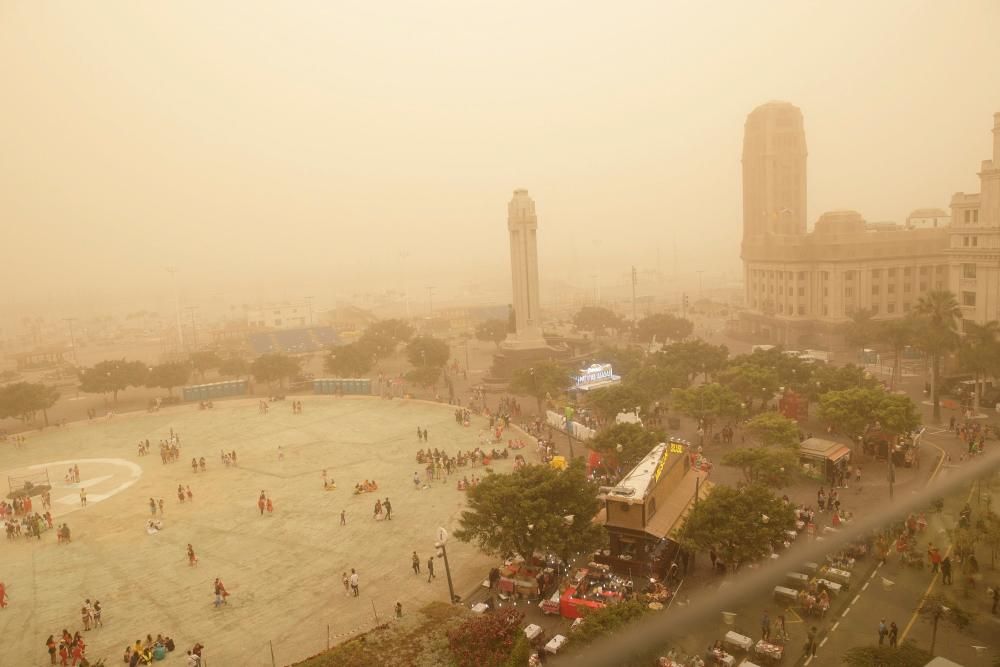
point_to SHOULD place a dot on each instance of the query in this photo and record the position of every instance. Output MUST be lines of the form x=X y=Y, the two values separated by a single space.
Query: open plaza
x=282 y=569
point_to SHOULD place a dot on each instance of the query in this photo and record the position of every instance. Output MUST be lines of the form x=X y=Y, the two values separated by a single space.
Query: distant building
x=280 y=316
x=800 y=286
x=973 y=251
x=928 y=218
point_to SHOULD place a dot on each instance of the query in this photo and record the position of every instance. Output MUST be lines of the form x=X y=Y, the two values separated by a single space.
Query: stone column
x=522 y=224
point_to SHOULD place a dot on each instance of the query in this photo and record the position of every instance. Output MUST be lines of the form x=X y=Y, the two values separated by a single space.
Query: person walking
x=343 y=517
x=882 y=632
x=430 y=569
x=765 y=626
x=996 y=599
x=811 y=643
x=388 y=509
x=355 y=580
x=347 y=583
x=893 y=634
x=935 y=558
x=946 y=570
x=415 y=560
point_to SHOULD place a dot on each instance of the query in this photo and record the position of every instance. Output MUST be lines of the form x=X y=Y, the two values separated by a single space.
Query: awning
x=670 y=516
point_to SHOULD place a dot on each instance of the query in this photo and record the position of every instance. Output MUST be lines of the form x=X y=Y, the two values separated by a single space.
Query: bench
x=786 y=593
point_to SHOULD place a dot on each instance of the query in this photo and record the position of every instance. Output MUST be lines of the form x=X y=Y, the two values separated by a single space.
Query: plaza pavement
x=283 y=571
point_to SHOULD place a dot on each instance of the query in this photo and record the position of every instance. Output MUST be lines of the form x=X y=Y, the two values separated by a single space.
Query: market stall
x=593 y=587
x=829 y=457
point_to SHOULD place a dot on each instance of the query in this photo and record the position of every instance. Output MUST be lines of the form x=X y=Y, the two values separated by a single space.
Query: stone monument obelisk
x=522 y=224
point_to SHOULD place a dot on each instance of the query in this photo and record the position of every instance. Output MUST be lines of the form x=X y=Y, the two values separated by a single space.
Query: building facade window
x=891 y=289
x=968 y=270
x=848 y=291
x=890 y=308
x=891 y=273
x=876 y=274
x=802 y=310
x=907 y=271
x=968 y=298
x=875 y=289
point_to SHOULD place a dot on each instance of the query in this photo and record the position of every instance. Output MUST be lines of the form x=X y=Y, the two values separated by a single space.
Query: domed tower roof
x=844 y=221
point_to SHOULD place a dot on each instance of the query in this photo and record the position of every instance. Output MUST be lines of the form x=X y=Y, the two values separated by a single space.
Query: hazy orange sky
x=265 y=141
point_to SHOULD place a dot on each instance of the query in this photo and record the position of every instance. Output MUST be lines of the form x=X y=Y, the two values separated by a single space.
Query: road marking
x=824 y=641
x=845 y=612
x=834 y=626
x=808 y=660
x=855 y=600
x=865 y=587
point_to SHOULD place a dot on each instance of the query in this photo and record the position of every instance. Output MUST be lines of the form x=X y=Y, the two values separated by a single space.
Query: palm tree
x=897 y=334
x=979 y=353
x=861 y=330
x=940 y=310
x=937 y=608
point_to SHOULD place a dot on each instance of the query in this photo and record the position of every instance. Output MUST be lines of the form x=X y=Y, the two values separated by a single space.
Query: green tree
x=428 y=351
x=862 y=328
x=708 y=402
x=486 y=640
x=606 y=621
x=24 y=400
x=663 y=327
x=905 y=655
x=826 y=378
x=607 y=402
x=744 y=522
x=271 y=368
x=543 y=380
x=353 y=360
x=751 y=381
x=634 y=440
x=234 y=367
x=939 y=310
x=169 y=375
x=624 y=360
x=492 y=330
x=654 y=382
x=773 y=429
x=204 y=360
x=852 y=410
x=596 y=320
x=536 y=508
x=694 y=357
x=772 y=466
x=112 y=376
x=425 y=376
x=979 y=353
x=791 y=371
x=385 y=336
x=937 y=608
x=897 y=334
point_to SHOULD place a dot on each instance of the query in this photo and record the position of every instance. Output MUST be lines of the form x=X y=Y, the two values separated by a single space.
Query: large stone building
x=974 y=242
x=800 y=286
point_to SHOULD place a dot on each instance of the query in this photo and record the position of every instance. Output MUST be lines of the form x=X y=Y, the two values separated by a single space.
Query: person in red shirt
x=3 y=595
x=63 y=654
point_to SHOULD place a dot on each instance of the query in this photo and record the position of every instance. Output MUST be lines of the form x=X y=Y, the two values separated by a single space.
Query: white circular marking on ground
x=102 y=478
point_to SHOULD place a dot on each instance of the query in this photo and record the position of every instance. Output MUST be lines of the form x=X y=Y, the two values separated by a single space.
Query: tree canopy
x=905 y=655
x=202 y=361
x=24 y=400
x=852 y=410
x=234 y=367
x=663 y=327
x=353 y=360
x=425 y=376
x=534 y=509
x=385 y=336
x=428 y=351
x=624 y=360
x=112 y=376
x=492 y=330
x=694 y=357
x=487 y=640
x=272 y=368
x=744 y=523
x=937 y=608
x=596 y=320
x=635 y=442
x=169 y=375
x=607 y=402
x=773 y=429
x=542 y=380
x=771 y=466
x=751 y=381
x=710 y=402
x=604 y=621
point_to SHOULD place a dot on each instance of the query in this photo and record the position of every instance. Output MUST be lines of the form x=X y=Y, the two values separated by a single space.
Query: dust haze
x=272 y=151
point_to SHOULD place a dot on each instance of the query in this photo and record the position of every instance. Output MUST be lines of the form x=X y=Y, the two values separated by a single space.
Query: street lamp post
x=443 y=554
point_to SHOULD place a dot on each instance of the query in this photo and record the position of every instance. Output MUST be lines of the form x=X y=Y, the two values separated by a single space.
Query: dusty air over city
x=659 y=334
